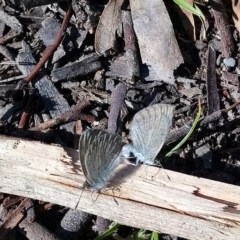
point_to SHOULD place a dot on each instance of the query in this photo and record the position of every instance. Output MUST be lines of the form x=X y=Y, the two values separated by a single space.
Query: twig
x=12 y=79
x=231 y=107
x=73 y=114
x=51 y=49
x=27 y=110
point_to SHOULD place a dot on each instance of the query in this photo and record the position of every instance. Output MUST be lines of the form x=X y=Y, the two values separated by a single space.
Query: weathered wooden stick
x=185 y=206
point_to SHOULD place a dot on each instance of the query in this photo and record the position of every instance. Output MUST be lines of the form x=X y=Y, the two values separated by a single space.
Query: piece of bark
x=2 y=28
x=13 y=220
x=130 y=44
x=11 y=200
x=30 y=210
x=223 y=25
x=156 y=38
x=207 y=209
x=84 y=66
x=7 y=53
x=211 y=118
x=34 y=3
x=148 y=74
x=9 y=36
x=33 y=19
x=109 y=23
x=87 y=14
x=191 y=92
x=53 y=100
x=120 y=68
x=145 y=86
x=236 y=13
x=213 y=101
x=11 y=21
x=232 y=78
x=127 y=66
x=117 y=100
x=49 y=30
x=101 y=225
x=35 y=231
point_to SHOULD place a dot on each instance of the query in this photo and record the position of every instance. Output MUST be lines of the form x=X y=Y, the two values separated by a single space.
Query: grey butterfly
x=148 y=131
x=99 y=156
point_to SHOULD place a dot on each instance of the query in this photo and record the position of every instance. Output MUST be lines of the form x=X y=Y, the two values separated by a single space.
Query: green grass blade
x=194 y=10
x=154 y=236
x=113 y=227
x=196 y=120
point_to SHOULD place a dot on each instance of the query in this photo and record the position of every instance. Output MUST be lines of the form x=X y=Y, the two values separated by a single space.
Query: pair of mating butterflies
x=101 y=152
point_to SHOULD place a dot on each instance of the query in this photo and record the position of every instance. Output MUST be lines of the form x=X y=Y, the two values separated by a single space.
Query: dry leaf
x=109 y=23
x=156 y=39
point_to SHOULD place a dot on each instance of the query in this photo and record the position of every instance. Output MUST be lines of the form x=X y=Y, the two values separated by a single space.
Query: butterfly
x=148 y=131
x=99 y=156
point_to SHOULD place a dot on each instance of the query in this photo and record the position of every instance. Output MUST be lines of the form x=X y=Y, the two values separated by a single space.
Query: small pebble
x=229 y=62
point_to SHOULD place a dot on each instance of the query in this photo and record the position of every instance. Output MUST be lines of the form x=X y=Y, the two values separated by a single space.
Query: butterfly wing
x=149 y=129
x=99 y=151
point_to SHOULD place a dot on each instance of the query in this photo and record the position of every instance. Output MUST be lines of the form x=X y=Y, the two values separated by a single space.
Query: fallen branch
x=146 y=198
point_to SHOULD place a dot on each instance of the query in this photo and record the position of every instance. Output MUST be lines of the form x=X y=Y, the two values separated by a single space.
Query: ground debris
x=67 y=66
